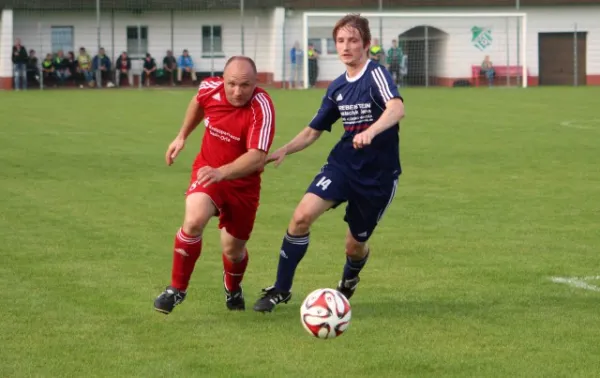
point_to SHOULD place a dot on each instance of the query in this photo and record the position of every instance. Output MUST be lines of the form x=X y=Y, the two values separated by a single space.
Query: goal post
x=437 y=49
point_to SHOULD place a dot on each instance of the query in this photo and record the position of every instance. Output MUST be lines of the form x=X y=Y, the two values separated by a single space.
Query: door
x=423 y=47
x=560 y=59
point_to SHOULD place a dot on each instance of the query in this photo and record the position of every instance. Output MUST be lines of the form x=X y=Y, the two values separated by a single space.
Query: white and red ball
x=325 y=313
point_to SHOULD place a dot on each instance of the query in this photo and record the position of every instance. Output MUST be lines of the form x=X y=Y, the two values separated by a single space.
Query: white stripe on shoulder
x=267 y=121
x=382 y=92
x=269 y=124
x=210 y=84
x=385 y=82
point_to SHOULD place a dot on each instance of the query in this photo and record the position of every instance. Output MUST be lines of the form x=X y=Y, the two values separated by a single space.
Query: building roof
x=137 y=4
x=302 y=4
x=253 y=4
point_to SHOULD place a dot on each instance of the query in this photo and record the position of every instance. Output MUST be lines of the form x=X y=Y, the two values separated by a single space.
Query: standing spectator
x=185 y=64
x=296 y=65
x=60 y=67
x=19 y=59
x=313 y=65
x=33 y=71
x=376 y=52
x=170 y=66
x=123 y=68
x=84 y=67
x=102 y=64
x=394 y=58
x=149 y=69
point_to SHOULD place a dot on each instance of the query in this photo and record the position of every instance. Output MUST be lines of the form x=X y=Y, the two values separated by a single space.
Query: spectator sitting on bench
x=487 y=69
x=71 y=66
x=123 y=68
x=101 y=63
x=170 y=66
x=33 y=72
x=185 y=64
x=60 y=67
x=84 y=67
x=149 y=71
x=48 y=69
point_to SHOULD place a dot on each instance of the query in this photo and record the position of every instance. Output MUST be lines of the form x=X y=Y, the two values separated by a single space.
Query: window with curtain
x=213 y=32
x=62 y=38
x=137 y=43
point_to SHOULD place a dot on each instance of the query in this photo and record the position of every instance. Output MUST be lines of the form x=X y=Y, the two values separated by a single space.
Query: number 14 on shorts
x=323 y=183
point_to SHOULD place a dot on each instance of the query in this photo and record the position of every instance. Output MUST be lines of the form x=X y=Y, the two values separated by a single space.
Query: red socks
x=234 y=271
x=186 y=251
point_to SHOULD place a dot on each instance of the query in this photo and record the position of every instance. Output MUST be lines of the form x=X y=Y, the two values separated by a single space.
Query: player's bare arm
x=248 y=163
x=305 y=138
x=193 y=116
x=393 y=113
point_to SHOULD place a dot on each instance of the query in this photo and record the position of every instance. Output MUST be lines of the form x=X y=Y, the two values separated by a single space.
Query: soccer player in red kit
x=240 y=123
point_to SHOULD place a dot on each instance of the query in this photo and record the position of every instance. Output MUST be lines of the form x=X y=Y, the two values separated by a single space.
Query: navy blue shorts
x=366 y=205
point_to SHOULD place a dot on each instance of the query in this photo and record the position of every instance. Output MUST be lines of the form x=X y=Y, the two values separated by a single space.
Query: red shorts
x=237 y=206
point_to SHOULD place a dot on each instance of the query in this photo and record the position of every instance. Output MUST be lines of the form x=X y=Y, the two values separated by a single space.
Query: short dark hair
x=242 y=58
x=356 y=21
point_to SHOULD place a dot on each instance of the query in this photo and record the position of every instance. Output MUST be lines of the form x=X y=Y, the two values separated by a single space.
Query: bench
x=74 y=82
x=186 y=79
x=500 y=71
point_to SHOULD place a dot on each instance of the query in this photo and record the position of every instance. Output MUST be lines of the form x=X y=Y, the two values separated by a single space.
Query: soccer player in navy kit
x=362 y=169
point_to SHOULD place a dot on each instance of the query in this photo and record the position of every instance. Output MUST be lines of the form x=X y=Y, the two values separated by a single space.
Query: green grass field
x=500 y=193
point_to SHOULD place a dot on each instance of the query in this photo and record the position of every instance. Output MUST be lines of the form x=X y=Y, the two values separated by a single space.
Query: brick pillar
x=6 y=43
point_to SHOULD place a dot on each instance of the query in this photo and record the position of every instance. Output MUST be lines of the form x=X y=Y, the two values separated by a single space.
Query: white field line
x=578 y=282
x=587 y=124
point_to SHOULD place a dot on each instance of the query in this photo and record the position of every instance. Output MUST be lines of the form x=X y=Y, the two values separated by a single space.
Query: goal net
x=433 y=49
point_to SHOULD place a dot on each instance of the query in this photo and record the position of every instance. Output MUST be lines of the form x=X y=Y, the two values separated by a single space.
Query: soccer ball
x=325 y=313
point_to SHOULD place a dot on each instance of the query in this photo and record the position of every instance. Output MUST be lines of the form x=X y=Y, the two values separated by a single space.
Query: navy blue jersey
x=360 y=101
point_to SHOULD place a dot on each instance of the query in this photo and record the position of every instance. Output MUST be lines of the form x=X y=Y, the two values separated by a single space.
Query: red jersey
x=232 y=131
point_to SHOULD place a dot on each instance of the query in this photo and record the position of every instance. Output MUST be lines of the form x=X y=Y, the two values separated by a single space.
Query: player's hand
x=276 y=157
x=362 y=139
x=208 y=175
x=174 y=148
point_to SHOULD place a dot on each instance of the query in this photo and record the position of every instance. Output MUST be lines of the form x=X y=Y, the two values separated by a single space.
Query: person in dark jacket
x=20 y=59
x=33 y=69
x=170 y=67
x=123 y=68
x=48 y=70
x=149 y=70
x=101 y=63
x=71 y=64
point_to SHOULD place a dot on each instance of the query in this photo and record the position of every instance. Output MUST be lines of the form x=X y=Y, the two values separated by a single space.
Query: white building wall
x=458 y=51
